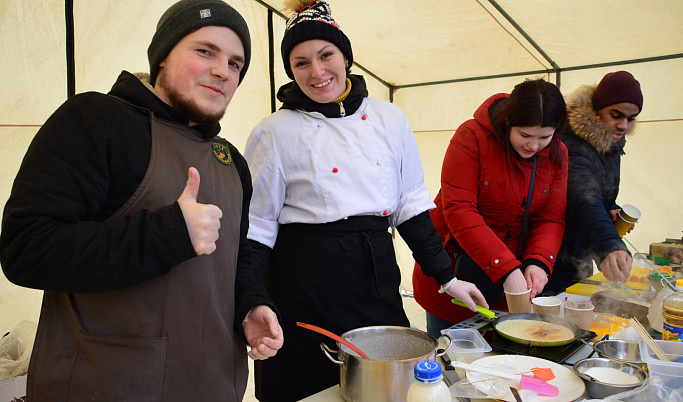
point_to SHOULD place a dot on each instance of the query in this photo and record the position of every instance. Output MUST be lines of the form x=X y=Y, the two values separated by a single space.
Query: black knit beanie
x=313 y=21
x=187 y=16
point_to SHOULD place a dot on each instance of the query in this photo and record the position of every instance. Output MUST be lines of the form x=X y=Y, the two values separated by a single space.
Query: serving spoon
x=333 y=336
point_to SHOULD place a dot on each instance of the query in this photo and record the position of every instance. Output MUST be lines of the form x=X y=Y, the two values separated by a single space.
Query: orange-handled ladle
x=333 y=336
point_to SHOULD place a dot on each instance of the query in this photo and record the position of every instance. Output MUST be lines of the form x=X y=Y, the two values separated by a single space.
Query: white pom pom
x=292 y=6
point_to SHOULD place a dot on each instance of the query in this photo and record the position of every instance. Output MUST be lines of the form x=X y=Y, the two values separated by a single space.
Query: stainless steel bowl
x=598 y=389
x=623 y=351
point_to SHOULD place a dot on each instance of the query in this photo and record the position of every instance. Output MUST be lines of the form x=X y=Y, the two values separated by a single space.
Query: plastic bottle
x=428 y=385
x=672 y=313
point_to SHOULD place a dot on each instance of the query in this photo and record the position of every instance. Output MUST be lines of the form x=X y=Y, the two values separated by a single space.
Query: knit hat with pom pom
x=311 y=20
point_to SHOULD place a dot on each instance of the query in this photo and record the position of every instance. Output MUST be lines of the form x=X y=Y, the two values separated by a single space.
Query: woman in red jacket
x=512 y=142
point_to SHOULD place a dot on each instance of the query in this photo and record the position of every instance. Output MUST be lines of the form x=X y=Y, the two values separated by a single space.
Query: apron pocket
x=118 y=369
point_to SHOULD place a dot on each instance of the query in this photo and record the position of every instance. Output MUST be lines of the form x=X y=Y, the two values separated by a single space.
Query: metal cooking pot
x=388 y=373
x=578 y=332
x=599 y=390
x=620 y=350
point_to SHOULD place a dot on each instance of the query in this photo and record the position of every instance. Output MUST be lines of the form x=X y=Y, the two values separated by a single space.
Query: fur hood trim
x=145 y=79
x=586 y=123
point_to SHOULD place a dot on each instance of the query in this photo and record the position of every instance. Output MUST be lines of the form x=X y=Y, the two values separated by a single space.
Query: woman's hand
x=516 y=282
x=536 y=279
x=465 y=291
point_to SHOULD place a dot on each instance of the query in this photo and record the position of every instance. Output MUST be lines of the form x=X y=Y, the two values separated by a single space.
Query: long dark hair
x=532 y=103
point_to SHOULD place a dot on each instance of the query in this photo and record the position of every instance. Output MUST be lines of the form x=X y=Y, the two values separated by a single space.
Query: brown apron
x=167 y=339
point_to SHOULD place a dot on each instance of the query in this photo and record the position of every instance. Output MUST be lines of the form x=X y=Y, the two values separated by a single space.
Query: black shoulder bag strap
x=526 y=207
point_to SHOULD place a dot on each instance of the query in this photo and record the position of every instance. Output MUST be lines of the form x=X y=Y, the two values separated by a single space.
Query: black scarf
x=292 y=97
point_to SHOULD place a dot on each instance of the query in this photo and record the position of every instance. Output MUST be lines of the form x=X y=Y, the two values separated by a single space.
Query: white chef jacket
x=307 y=168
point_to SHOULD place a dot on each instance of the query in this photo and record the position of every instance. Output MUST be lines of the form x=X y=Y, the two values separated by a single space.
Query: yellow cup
x=626 y=218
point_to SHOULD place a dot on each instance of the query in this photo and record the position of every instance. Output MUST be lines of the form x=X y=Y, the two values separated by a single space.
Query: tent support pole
x=546 y=71
x=271 y=61
x=70 y=58
x=524 y=34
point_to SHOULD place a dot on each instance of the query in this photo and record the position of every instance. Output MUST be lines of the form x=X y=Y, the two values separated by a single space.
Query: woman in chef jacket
x=332 y=171
x=509 y=151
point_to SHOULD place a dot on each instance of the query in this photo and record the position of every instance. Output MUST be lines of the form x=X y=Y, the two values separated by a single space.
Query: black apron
x=339 y=276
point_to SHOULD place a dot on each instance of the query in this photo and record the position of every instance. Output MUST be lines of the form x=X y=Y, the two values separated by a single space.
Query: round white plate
x=570 y=385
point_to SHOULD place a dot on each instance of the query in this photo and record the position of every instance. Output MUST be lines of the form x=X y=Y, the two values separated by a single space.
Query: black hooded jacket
x=81 y=167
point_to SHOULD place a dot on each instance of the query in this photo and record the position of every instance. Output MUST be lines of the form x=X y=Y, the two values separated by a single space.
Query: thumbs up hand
x=202 y=220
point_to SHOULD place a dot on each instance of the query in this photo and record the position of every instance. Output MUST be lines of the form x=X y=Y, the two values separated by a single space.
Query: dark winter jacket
x=82 y=165
x=126 y=298
x=592 y=187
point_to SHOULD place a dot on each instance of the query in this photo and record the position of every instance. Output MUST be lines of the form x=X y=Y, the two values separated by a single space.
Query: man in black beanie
x=598 y=119
x=137 y=261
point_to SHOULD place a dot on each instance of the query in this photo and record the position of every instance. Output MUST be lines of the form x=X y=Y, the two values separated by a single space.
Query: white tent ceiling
x=405 y=42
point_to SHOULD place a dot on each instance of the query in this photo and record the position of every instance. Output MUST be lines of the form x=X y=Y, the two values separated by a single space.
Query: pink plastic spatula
x=537 y=385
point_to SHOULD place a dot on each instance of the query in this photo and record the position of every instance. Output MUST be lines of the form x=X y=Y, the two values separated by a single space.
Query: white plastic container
x=468 y=344
x=670 y=372
x=428 y=385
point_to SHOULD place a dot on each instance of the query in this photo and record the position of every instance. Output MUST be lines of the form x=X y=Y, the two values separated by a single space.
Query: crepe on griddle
x=535 y=331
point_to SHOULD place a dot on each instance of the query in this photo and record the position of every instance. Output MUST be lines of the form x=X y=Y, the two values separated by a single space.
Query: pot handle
x=450 y=343
x=595 y=350
x=326 y=349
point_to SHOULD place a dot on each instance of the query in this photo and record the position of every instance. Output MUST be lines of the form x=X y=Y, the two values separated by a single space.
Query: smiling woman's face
x=319 y=68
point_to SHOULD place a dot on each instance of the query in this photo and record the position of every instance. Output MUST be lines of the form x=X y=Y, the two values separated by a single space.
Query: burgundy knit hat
x=617 y=87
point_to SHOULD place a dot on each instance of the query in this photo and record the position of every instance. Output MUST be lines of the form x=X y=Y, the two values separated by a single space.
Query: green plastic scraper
x=486 y=313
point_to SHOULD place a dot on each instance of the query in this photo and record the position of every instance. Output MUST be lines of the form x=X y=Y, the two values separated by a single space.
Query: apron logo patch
x=222 y=153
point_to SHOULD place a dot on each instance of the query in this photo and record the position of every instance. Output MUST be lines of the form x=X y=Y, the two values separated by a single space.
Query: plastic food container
x=655 y=279
x=670 y=372
x=468 y=344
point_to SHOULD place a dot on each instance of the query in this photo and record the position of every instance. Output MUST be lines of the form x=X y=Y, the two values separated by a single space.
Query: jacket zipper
x=342 y=112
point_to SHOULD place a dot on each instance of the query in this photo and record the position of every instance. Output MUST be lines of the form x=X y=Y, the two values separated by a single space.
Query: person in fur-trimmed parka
x=599 y=117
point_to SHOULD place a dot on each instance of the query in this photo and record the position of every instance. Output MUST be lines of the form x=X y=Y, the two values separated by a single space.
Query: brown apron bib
x=167 y=339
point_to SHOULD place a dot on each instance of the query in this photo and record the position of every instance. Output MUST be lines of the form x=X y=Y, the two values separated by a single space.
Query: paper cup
x=546 y=305
x=630 y=212
x=626 y=218
x=581 y=317
x=519 y=302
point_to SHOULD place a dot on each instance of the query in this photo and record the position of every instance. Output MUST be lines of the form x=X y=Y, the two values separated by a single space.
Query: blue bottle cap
x=428 y=371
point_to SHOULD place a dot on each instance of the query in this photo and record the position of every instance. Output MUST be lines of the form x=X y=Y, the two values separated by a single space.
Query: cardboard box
x=611 y=302
x=671 y=249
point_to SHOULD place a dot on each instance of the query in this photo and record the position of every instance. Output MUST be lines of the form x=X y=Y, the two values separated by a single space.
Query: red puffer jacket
x=480 y=207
